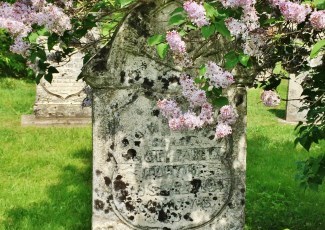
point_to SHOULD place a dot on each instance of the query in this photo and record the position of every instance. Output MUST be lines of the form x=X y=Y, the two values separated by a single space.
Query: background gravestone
x=144 y=175
x=293 y=103
x=59 y=102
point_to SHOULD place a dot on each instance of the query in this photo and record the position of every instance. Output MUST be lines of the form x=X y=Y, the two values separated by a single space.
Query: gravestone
x=293 y=104
x=59 y=102
x=144 y=175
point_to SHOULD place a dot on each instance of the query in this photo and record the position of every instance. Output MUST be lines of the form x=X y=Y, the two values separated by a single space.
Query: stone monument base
x=32 y=120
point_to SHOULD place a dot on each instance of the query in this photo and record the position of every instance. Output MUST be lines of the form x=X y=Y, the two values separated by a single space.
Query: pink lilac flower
x=20 y=47
x=218 y=77
x=222 y=130
x=228 y=115
x=192 y=121
x=294 y=12
x=250 y=18
x=275 y=3
x=317 y=19
x=175 y=42
x=176 y=123
x=270 y=98
x=198 y=98
x=237 y=3
x=19 y=17
x=236 y=27
x=169 y=108
x=195 y=96
x=196 y=13
x=206 y=114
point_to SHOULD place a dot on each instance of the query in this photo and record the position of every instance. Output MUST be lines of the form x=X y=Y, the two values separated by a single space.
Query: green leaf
x=156 y=39
x=176 y=20
x=41 y=54
x=124 y=2
x=162 y=50
x=220 y=101
x=48 y=77
x=222 y=29
x=320 y=4
x=52 y=40
x=52 y=69
x=231 y=60
x=243 y=59
x=199 y=80
x=316 y=48
x=179 y=10
x=210 y=10
x=202 y=70
x=208 y=31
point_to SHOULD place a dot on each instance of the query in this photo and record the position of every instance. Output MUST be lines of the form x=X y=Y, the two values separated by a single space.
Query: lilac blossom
x=175 y=42
x=294 y=12
x=206 y=114
x=270 y=98
x=218 y=77
x=196 y=13
x=235 y=26
x=195 y=96
x=222 y=130
x=169 y=108
x=317 y=19
x=237 y=3
x=228 y=115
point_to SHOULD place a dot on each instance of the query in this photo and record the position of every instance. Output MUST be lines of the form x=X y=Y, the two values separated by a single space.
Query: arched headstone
x=144 y=175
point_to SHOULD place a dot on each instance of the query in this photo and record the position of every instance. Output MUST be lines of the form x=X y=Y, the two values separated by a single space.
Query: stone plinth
x=144 y=175
x=293 y=104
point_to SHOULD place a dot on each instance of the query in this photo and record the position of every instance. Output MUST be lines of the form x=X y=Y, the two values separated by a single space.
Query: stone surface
x=293 y=104
x=32 y=120
x=144 y=175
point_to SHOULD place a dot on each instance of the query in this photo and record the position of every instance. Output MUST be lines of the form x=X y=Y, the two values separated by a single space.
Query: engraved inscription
x=172 y=179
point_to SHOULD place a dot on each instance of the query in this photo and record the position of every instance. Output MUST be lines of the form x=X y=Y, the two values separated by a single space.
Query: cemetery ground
x=45 y=173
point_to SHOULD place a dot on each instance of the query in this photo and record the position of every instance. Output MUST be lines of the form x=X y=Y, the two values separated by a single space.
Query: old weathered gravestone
x=144 y=175
x=59 y=102
x=293 y=104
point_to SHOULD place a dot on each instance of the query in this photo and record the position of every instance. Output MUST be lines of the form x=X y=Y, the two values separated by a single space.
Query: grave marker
x=144 y=175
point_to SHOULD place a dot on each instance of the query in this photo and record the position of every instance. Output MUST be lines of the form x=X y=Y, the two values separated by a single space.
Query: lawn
x=45 y=173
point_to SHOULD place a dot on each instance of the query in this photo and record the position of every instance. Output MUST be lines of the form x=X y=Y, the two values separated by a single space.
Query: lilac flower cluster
x=188 y=120
x=317 y=19
x=227 y=116
x=218 y=77
x=196 y=13
x=177 y=120
x=246 y=26
x=270 y=98
x=297 y=13
x=294 y=12
x=175 y=42
x=237 y=3
x=19 y=17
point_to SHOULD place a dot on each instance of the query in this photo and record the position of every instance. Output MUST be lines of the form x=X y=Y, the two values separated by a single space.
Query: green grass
x=274 y=198
x=45 y=173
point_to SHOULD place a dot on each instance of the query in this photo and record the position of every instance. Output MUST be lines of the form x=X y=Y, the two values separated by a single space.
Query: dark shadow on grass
x=68 y=205
x=279 y=113
x=274 y=198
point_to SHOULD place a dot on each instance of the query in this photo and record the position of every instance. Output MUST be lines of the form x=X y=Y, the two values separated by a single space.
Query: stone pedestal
x=293 y=104
x=144 y=175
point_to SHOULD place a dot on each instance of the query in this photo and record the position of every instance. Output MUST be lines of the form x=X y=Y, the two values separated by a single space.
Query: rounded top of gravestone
x=128 y=60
